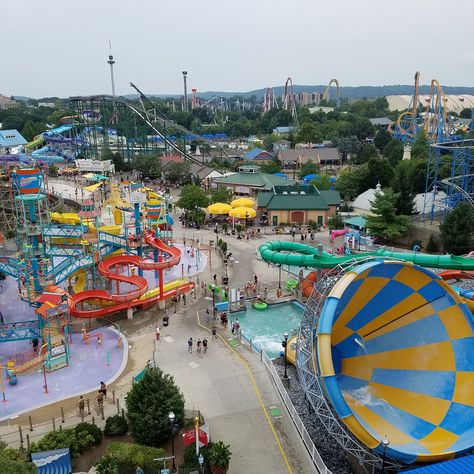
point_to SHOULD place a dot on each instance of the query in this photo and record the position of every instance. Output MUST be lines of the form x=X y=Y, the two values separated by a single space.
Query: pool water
x=266 y=327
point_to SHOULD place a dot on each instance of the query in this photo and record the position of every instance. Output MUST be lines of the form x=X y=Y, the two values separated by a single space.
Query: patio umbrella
x=243 y=212
x=243 y=202
x=219 y=208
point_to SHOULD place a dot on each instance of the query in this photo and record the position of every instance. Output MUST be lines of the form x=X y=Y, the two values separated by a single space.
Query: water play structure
x=382 y=351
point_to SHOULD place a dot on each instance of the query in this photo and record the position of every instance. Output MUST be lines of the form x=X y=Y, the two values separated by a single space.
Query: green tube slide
x=292 y=253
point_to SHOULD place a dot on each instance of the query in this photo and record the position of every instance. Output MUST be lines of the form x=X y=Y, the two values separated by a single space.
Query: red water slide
x=124 y=300
x=456 y=275
x=308 y=283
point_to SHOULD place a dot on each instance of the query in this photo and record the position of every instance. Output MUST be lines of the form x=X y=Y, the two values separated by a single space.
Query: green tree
x=420 y=148
x=382 y=138
x=220 y=195
x=432 y=246
x=53 y=171
x=348 y=146
x=362 y=128
x=393 y=151
x=12 y=463
x=149 y=402
x=348 y=184
x=366 y=152
x=308 y=168
x=29 y=130
x=385 y=222
x=379 y=171
x=308 y=133
x=403 y=186
x=336 y=222
x=178 y=173
x=322 y=182
x=272 y=166
x=466 y=113
x=457 y=231
x=192 y=197
x=148 y=166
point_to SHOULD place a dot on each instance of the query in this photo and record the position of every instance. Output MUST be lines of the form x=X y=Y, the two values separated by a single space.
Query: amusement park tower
x=111 y=62
x=185 y=79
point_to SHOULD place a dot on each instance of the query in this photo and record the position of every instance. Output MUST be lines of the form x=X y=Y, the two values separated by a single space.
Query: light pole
x=201 y=462
x=172 y=417
x=279 y=275
x=285 y=345
x=385 y=444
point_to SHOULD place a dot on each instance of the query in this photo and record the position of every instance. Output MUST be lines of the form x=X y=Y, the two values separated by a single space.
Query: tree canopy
x=178 y=173
x=149 y=403
x=308 y=168
x=457 y=231
x=220 y=195
x=192 y=197
x=403 y=185
x=385 y=222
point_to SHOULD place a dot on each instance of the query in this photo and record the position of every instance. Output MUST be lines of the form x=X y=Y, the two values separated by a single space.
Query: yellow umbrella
x=243 y=202
x=92 y=187
x=243 y=212
x=219 y=208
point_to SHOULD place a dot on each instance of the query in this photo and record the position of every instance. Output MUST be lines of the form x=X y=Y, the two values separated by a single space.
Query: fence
x=24 y=434
x=308 y=442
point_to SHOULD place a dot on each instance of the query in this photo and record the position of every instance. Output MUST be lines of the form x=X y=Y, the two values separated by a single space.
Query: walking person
x=158 y=330
x=214 y=332
x=81 y=405
x=100 y=402
x=99 y=340
x=198 y=347
x=103 y=388
x=204 y=344
x=190 y=345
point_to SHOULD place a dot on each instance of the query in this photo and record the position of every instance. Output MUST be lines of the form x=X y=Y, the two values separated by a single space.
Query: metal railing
x=299 y=425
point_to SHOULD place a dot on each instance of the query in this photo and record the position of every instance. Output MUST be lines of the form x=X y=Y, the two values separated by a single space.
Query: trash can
x=166 y=320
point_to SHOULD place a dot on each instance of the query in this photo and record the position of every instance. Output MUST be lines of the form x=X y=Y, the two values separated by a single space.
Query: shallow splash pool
x=266 y=327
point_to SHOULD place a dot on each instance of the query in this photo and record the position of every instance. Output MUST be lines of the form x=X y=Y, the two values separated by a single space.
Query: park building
x=297 y=204
x=249 y=180
x=7 y=102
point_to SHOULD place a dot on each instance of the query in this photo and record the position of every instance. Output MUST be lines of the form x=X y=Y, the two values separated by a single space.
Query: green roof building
x=297 y=204
x=249 y=180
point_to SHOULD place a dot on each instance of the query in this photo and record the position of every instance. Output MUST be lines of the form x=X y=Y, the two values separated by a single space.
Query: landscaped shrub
x=12 y=463
x=78 y=439
x=115 y=426
x=91 y=430
x=191 y=461
x=125 y=457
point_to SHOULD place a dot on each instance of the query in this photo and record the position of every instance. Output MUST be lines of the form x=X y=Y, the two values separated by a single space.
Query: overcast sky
x=60 y=47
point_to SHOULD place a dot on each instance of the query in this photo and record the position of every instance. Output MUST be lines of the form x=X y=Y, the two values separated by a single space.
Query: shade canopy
x=219 y=208
x=243 y=202
x=92 y=187
x=243 y=212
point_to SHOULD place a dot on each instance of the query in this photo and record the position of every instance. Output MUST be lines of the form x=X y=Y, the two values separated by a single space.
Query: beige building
x=7 y=103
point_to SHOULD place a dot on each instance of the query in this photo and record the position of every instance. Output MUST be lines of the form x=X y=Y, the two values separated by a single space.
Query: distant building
x=382 y=122
x=7 y=103
x=10 y=139
x=96 y=166
x=258 y=154
x=51 y=105
x=454 y=102
x=308 y=98
x=281 y=145
x=284 y=130
x=294 y=159
x=250 y=180
x=297 y=204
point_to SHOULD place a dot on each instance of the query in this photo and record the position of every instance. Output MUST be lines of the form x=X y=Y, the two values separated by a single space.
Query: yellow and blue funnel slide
x=394 y=351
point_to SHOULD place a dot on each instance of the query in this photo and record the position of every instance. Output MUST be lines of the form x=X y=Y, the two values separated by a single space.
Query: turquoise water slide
x=292 y=253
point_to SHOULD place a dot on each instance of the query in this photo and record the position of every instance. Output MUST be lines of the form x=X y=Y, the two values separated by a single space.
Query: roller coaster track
x=289 y=102
x=170 y=123
x=449 y=182
x=338 y=92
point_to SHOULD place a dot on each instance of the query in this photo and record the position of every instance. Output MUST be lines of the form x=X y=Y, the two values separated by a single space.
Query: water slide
x=36 y=142
x=301 y=255
x=308 y=283
x=392 y=352
x=133 y=298
x=466 y=293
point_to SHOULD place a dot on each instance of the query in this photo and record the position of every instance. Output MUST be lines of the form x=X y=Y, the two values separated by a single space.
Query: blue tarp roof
x=455 y=466
x=281 y=175
x=10 y=138
x=57 y=461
